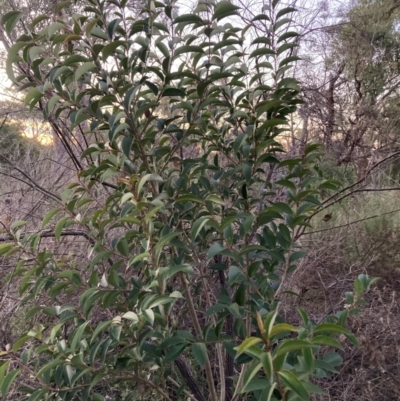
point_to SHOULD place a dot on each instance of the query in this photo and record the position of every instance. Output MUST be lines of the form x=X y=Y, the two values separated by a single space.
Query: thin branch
x=31 y=184
x=377 y=189
x=170 y=379
x=353 y=222
x=51 y=234
x=4 y=121
x=325 y=205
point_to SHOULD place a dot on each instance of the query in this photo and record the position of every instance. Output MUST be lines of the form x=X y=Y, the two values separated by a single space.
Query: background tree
x=353 y=104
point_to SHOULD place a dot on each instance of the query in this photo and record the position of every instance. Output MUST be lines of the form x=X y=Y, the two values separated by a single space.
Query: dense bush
x=191 y=212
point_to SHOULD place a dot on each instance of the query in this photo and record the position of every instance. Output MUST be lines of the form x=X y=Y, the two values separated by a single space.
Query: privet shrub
x=190 y=210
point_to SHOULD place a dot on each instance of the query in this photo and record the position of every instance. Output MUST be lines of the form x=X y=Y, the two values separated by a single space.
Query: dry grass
x=336 y=257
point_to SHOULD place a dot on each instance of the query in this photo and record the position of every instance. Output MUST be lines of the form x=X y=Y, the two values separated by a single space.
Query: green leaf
x=287 y=35
x=268 y=392
x=152 y=87
x=335 y=328
x=148 y=178
x=269 y=322
x=164 y=49
x=261 y=17
x=250 y=372
x=3 y=370
x=10 y=19
x=280 y=23
x=19 y=343
x=32 y=97
x=109 y=49
x=320 y=364
x=139 y=257
x=38 y=20
x=126 y=146
x=281 y=328
x=188 y=49
x=296 y=255
x=262 y=52
x=49 y=216
x=100 y=328
x=149 y=315
x=123 y=246
x=61 y=5
x=189 y=198
x=258 y=384
x=308 y=358
x=98 y=33
x=85 y=67
x=189 y=18
x=4 y=248
x=55 y=330
x=78 y=336
x=35 y=51
x=199 y=351
x=59 y=227
x=294 y=384
x=161 y=300
x=12 y=54
x=247 y=343
x=8 y=380
x=325 y=340
x=53 y=28
x=291 y=345
x=166 y=239
x=173 y=92
x=197 y=226
x=51 y=365
x=333 y=358
x=224 y=9
x=312 y=388
x=288 y=60
x=226 y=43
x=168 y=272
x=174 y=352
x=131 y=316
x=285 y=11
x=303 y=315
x=215 y=199
x=215 y=250
x=215 y=309
x=266 y=360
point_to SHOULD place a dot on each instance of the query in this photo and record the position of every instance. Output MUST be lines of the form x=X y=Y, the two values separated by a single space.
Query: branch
x=170 y=379
x=332 y=199
x=33 y=185
x=324 y=204
x=377 y=189
x=4 y=121
x=393 y=8
x=353 y=222
x=189 y=380
x=51 y=234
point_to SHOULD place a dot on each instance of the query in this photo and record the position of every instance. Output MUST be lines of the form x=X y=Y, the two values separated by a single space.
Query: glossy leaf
x=294 y=384
x=8 y=381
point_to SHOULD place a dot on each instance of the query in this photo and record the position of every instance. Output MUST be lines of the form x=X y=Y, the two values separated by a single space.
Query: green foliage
x=345 y=174
x=370 y=46
x=191 y=212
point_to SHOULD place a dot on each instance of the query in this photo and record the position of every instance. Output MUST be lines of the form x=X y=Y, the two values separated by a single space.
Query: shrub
x=190 y=212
